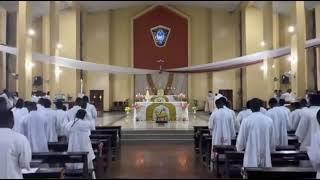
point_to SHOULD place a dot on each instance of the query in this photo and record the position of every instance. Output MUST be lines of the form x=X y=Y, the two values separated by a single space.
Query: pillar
x=299 y=62
x=69 y=37
x=50 y=39
x=268 y=67
x=317 y=24
x=3 y=25
x=252 y=36
x=24 y=55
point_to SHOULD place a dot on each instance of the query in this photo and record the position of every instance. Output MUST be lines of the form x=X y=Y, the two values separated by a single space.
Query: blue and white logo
x=160 y=35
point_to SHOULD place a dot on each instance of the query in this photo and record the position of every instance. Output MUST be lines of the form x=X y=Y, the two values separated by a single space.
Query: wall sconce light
x=262 y=44
x=31 y=32
x=59 y=46
x=29 y=65
x=291 y=29
x=58 y=71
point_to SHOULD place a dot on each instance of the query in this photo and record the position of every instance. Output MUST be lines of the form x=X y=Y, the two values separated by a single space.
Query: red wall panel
x=146 y=53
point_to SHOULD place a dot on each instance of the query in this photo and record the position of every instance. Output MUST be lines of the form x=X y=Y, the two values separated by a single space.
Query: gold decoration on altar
x=170 y=107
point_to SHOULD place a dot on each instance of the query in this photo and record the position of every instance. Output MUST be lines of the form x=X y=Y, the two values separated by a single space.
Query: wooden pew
x=279 y=172
x=100 y=149
x=107 y=138
x=115 y=141
x=196 y=136
x=234 y=160
x=219 y=150
x=46 y=173
x=66 y=157
x=118 y=128
x=292 y=140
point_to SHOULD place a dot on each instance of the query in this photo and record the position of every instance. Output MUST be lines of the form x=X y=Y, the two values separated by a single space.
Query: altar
x=161 y=108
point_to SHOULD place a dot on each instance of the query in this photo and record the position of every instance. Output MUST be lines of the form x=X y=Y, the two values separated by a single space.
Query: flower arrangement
x=194 y=109
x=127 y=109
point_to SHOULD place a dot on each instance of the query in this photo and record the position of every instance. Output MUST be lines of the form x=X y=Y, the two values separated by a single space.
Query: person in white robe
x=308 y=123
x=79 y=137
x=244 y=113
x=79 y=104
x=35 y=129
x=51 y=121
x=71 y=113
x=294 y=117
x=62 y=119
x=19 y=113
x=233 y=114
x=280 y=120
x=283 y=107
x=221 y=125
x=15 y=150
x=210 y=106
x=8 y=97
x=256 y=138
x=314 y=149
x=91 y=109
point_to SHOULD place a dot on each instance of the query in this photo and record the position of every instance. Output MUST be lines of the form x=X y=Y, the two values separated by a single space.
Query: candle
x=81 y=86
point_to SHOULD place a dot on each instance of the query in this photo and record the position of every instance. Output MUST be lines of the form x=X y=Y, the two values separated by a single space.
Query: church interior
x=160 y=89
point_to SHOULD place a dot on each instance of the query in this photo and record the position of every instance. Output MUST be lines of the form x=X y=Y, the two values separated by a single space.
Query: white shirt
x=256 y=137
x=19 y=115
x=51 y=124
x=71 y=114
x=263 y=110
x=79 y=140
x=35 y=129
x=307 y=126
x=93 y=111
x=222 y=127
x=280 y=119
x=61 y=122
x=233 y=114
x=294 y=119
x=9 y=100
x=15 y=154
x=243 y=114
x=314 y=152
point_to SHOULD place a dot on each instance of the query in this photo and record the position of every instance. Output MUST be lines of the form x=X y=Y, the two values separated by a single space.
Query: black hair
x=20 y=103
x=64 y=108
x=47 y=103
x=41 y=101
x=210 y=91
x=85 y=99
x=273 y=102
x=303 y=103
x=81 y=114
x=32 y=106
x=248 y=104
x=83 y=105
x=3 y=104
x=315 y=100
x=282 y=102
x=255 y=105
x=59 y=104
x=219 y=103
x=7 y=119
x=318 y=116
x=224 y=100
x=296 y=105
x=78 y=101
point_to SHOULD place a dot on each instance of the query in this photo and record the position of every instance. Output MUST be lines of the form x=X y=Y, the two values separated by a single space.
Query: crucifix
x=160 y=61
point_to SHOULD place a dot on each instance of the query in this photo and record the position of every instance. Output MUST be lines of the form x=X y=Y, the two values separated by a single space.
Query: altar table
x=146 y=110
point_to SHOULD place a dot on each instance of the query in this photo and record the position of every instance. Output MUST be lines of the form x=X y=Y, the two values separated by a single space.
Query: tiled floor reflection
x=158 y=161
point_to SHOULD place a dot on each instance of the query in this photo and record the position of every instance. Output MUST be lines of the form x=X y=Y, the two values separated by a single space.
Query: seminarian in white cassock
x=256 y=138
x=14 y=147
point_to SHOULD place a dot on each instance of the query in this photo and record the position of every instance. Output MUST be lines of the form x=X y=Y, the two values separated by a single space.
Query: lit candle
x=81 y=84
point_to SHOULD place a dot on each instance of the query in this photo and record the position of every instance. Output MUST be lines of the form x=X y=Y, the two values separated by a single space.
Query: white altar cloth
x=140 y=112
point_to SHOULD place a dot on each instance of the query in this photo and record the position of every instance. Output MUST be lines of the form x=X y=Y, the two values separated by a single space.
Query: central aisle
x=149 y=160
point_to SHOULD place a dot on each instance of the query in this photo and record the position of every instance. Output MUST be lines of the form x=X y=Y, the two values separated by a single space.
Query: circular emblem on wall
x=160 y=35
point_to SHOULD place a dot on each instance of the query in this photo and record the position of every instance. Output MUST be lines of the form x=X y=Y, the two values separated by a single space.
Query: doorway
x=96 y=98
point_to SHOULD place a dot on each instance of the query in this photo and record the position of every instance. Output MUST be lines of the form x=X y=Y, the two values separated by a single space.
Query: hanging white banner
x=232 y=63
